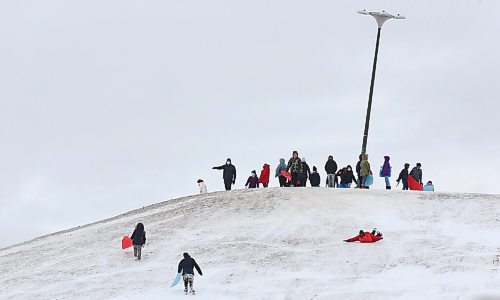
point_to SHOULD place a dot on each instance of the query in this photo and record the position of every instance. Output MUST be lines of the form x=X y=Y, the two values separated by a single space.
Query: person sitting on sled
x=366 y=237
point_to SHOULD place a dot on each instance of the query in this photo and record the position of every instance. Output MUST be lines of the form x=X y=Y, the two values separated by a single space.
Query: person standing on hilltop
x=294 y=166
x=252 y=181
x=331 y=171
x=279 y=168
x=306 y=172
x=202 y=186
x=385 y=171
x=358 y=170
x=264 y=175
x=403 y=176
x=229 y=174
x=314 y=178
x=365 y=170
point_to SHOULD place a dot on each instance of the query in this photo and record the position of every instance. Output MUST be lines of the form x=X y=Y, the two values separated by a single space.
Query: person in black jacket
x=403 y=176
x=358 y=170
x=229 y=174
x=138 y=238
x=306 y=172
x=348 y=177
x=314 y=178
x=186 y=265
x=331 y=170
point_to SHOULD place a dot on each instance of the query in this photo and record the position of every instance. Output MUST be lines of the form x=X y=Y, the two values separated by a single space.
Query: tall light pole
x=380 y=17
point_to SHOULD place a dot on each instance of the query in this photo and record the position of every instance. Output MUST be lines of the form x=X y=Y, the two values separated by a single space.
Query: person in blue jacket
x=279 y=168
x=429 y=187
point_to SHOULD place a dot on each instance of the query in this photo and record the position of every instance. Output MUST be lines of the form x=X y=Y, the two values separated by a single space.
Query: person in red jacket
x=366 y=237
x=264 y=175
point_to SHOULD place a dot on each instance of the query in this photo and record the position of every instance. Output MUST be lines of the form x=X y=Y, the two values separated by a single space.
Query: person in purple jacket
x=253 y=180
x=385 y=171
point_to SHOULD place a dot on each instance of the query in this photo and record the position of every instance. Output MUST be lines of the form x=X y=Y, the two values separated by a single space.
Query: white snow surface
x=276 y=243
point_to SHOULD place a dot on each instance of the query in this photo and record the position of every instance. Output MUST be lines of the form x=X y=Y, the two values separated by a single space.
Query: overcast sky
x=107 y=106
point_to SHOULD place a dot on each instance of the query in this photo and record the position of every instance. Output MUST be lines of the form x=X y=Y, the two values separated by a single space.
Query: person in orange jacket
x=366 y=237
x=264 y=175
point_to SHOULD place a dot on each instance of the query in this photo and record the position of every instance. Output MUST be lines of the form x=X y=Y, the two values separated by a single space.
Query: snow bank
x=274 y=244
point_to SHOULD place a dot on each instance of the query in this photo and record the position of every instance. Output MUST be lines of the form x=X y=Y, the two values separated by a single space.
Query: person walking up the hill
x=252 y=181
x=365 y=170
x=202 y=186
x=347 y=177
x=331 y=170
x=187 y=266
x=416 y=173
x=229 y=173
x=358 y=170
x=385 y=171
x=306 y=172
x=314 y=178
x=279 y=168
x=138 y=238
x=294 y=166
x=264 y=175
x=403 y=176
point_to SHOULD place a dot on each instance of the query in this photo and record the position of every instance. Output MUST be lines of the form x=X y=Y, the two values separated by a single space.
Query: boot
x=388 y=187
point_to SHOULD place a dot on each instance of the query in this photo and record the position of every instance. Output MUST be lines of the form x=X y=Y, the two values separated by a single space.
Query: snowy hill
x=274 y=244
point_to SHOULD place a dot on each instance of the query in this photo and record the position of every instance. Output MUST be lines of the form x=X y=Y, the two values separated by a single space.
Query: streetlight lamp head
x=363 y=12
x=380 y=17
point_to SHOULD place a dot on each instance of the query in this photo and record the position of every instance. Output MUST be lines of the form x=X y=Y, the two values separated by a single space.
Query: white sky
x=106 y=106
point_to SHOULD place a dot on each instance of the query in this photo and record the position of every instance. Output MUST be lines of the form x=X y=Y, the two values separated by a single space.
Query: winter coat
x=294 y=165
x=403 y=175
x=203 y=188
x=358 y=165
x=264 y=174
x=428 y=188
x=138 y=237
x=417 y=174
x=331 y=166
x=348 y=177
x=280 y=167
x=386 y=168
x=252 y=182
x=306 y=172
x=364 y=166
x=229 y=173
x=187 y=266
x=367 y=238
x=315 y=179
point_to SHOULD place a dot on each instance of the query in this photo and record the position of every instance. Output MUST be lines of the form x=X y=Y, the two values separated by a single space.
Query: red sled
x=126 y=242
x=413 y=184
x=287 y=175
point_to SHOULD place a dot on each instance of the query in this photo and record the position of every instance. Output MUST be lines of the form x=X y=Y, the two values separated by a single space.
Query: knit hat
x=315 y=169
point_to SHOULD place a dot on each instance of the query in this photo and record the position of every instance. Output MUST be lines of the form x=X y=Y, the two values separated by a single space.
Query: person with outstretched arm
x=229 y=174
x=187 y=266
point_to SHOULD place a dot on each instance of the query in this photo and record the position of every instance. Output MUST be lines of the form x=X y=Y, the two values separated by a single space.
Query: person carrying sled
x=138 y=238
x=264 y=175
x=252 y=181
x=366 y=237
x=202 y=186
x=314 y=178
x=279 y=168
x=294 y=166
x=416 y=173
x=306 y=172
x=347 y=178
x=365 y=170
x=385 y=171
x=403 y=176
x=187 y=266
x=229 y=174
x=331 y=170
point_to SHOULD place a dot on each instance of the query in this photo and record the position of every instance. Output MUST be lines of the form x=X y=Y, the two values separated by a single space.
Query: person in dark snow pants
x=306 y=172
x=416 y=173
x=138 y=238
x=347 y=177
x=279 y=168
x=253 y=181
x=187 y=266
x=294 y=166
x=264 y=175
x=403 y=176
x=358 y=170
x=229 y=174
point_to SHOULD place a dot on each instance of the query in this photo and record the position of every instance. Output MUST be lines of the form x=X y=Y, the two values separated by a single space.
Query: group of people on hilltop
x=297 y=172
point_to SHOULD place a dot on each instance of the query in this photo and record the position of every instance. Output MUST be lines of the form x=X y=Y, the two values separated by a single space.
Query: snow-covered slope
x=274 y=244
